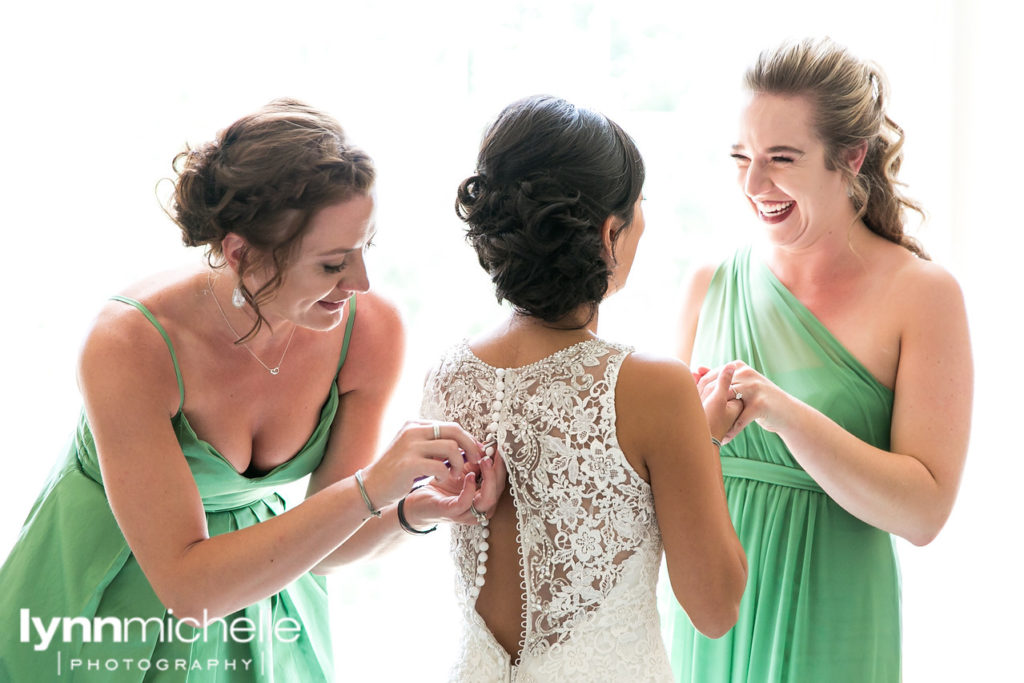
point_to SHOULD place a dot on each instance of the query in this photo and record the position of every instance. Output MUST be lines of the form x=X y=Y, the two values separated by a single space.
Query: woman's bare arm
x=910 y=489
x=130 y=394
x=660 y=418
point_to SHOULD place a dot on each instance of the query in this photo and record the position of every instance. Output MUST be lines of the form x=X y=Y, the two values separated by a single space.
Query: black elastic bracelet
x=404 y=523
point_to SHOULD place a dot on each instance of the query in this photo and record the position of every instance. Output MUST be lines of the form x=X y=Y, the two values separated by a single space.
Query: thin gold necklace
x=272 y=370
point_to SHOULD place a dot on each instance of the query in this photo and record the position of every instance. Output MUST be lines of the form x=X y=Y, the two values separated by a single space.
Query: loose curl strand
x=548 y=176
x=263 y=178
x=850 y=97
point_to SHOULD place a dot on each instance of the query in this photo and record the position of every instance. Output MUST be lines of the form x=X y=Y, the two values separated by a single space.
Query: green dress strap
x=348 y=332
x=167 y=340
x=174 y=357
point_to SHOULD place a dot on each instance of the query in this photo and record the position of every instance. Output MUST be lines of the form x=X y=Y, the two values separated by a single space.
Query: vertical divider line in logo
x=58 y=662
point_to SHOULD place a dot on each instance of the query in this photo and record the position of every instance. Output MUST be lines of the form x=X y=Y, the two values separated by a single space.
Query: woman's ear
x=855 y=156
x=235 y=248
x=609 y=231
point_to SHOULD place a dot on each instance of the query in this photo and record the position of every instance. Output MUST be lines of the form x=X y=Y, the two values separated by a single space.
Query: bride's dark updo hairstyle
x=263 y=178
x=548 y=176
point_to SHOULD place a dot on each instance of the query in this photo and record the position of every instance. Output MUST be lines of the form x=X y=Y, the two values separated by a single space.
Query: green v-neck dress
x=822 y=603
x=71 y=560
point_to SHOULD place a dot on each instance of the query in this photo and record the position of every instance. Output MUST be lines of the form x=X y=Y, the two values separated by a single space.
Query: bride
x=608 y=452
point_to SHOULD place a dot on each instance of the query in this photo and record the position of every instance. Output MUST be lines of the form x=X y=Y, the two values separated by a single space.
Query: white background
x=96 y=98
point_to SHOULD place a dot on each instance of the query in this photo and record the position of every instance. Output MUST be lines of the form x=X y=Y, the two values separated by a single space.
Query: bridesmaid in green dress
x=856 y=380
x=206 y=389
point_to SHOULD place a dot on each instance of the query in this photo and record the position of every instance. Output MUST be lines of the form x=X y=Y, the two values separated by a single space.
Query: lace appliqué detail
x=588 y=536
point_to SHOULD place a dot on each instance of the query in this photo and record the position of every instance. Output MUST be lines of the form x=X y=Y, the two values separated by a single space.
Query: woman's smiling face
x=781 y=169
x=328 y=267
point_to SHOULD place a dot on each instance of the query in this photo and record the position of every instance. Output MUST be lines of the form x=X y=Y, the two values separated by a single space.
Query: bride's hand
x=760 y=399
x=721 y=405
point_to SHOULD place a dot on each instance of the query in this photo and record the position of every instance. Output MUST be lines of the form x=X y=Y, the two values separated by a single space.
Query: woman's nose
x=357 y=280
x=756 y=180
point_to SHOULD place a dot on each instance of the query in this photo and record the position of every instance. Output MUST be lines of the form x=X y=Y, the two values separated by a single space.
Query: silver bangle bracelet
x=362 y=491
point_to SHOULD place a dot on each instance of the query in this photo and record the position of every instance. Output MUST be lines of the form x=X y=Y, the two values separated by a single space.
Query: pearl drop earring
x=237 y=300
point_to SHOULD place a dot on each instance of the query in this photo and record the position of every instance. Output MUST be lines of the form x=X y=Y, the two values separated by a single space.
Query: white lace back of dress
x=585 y=517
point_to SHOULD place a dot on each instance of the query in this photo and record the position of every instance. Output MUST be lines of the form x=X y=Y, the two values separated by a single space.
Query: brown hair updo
x=850 y=97
x=263 y=178
x=548 y=176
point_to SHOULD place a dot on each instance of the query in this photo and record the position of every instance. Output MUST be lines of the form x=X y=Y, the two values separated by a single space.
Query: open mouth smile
x=774 y=212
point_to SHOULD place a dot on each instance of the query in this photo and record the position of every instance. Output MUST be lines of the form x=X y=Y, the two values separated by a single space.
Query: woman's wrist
x=416 y=511
x=403 y=521
x=371 y=507
x=783 y=413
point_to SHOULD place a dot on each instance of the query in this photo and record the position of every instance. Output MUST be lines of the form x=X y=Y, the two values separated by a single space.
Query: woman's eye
x=740 y=159
x=334 y=269
x=782 y=160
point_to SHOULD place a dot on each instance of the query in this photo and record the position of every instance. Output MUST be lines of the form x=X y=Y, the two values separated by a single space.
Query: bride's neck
x=579 y=325
x=523 y=339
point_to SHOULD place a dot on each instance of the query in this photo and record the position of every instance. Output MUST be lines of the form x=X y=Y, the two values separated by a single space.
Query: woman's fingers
x=442 y=450
x=737 y=427
x=463 y=439
x=461 y=504
x=464 y=475
x=492 y=484
x=458 y=507
x=448 y=442
x=723 y=381
x=707 y=381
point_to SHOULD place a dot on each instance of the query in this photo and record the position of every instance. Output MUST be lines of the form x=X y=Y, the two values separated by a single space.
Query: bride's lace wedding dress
x=588 y=537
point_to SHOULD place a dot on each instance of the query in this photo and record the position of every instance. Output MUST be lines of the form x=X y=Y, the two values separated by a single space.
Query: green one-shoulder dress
x=822 y=603
x=75 y=606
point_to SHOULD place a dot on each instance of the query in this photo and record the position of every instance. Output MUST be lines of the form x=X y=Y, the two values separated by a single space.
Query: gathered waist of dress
x=757 y=470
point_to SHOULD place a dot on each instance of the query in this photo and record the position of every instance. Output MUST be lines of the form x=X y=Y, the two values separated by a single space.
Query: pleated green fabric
x=72 y=561
x=822 y=602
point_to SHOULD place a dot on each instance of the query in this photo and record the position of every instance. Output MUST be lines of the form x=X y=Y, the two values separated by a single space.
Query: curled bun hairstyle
x=263 y=178
x=850 y=97
x=549 y=174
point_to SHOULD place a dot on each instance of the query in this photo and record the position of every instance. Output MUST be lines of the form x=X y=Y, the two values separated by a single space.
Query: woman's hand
x=421 y=449
x=480 y=488
x=454 y=499
x=757 y=398
x=719 y=401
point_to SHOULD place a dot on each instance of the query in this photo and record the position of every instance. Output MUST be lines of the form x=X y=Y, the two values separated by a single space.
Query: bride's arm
x=660 y=420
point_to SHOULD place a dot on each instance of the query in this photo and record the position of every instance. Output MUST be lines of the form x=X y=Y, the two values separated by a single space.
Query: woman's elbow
x=924 y=534
x=190 y=611
x=719 y=623
x=326 y=568
x=927 y=527
x=182 y=599
x=718 y=607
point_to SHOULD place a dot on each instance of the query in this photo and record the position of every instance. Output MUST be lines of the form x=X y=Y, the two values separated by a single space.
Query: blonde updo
x=263 y=178
x=850 y=98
